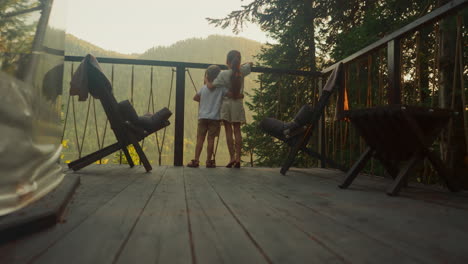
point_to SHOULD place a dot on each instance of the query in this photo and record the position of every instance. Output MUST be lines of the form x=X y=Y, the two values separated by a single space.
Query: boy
x=208 y=117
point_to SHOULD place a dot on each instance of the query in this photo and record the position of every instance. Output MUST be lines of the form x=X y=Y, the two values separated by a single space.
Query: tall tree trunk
x=456 y=147
x=424 y=65
x=310 y=16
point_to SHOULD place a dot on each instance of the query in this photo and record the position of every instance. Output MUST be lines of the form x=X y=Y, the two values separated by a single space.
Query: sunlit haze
x=135 y=26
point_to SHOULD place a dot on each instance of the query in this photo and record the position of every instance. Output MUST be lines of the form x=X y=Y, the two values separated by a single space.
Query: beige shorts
x=233 y=110
x=212 y=127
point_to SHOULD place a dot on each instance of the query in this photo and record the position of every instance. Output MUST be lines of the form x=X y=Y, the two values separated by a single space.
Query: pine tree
x=310 y=34
x=16 y=35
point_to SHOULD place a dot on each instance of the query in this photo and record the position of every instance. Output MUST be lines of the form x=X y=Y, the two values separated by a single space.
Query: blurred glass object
x=32 y=38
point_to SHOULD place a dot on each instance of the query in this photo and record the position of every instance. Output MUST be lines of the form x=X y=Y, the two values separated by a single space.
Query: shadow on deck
x=251 y=215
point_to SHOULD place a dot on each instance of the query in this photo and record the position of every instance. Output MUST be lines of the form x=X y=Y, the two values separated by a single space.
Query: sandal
x=230 y=164
x=211 y=164
x=193 y=164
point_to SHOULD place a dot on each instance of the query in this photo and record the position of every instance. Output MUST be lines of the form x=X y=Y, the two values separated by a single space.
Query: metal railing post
x=179 y=117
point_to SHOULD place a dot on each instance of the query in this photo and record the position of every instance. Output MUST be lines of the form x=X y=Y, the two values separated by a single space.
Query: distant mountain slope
x=77 y=47
x=212 y=49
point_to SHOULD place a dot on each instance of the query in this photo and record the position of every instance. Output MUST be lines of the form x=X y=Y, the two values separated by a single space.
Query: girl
x=232 y=107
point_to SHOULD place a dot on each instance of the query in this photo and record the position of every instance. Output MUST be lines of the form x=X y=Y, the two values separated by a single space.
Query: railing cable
x=160 y=146
x=150 y=104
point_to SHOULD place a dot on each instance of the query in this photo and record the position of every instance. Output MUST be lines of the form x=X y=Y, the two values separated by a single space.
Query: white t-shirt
x=224 y=77
x=210 y=102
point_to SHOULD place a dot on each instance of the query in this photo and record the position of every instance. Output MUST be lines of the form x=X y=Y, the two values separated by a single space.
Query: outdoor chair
x=128 y=127
x=298 y=133
x=399 y=136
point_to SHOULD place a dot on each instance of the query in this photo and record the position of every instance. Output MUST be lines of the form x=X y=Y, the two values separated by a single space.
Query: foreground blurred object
x=298 y=132
x=32 y=36
x=128 y=127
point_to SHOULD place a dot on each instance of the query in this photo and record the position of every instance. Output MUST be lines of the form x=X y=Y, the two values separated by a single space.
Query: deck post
x=179 y=117
x=394 y=73
x=321 y=129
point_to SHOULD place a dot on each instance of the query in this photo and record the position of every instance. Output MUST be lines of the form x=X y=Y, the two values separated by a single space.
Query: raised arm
x=246 y=68
x=209 y=84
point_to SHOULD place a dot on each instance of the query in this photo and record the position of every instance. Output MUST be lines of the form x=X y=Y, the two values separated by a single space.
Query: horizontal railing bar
x=190 y=65
x=436 y=14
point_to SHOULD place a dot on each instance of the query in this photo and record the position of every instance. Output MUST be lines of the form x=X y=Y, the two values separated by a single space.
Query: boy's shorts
x=208 y=125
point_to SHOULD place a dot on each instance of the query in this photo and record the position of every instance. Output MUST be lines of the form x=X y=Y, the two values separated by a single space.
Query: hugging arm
x=197 y=97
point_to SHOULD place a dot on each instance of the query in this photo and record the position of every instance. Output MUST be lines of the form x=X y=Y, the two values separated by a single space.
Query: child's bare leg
x=238 y=137
x=229 y=139
x=210 y=147
x=199 y=146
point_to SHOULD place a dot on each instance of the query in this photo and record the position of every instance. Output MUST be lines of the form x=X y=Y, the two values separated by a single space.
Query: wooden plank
x=279 y=240
x=217 y=237
x=341 y=239
x=434 y=194
x=98 y=238
x=430 y=232
x=162 y=234
x=88 y=197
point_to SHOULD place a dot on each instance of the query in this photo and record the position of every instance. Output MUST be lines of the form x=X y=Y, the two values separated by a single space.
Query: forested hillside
x=78 y=47
x=212 y=49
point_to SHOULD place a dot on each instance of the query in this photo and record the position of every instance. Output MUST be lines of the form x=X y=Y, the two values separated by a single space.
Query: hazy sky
x=134 y=26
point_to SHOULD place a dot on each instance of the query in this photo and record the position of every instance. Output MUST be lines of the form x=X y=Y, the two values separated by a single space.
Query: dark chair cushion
x=154 y=122
x=128 y=112
x=273 y=127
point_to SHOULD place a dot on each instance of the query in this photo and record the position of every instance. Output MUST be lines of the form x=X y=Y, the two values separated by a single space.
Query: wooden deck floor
x=183 y=215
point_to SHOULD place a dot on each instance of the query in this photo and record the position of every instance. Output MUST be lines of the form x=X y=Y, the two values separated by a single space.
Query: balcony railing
x=179 y=70
x=373 y=76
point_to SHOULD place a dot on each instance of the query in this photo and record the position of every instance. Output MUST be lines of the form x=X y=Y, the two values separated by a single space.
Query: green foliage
x=355 y=24
x=16 y=33
x=312 y=33
x=119 y=157
x=279 y=96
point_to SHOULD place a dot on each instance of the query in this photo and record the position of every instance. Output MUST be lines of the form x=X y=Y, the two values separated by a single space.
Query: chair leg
x=129 y=158
x=142 y=156
x=93 y=157
x=389 y=167
x=292 y=154
x=402 y=175
x=443 y=171
x=356 y=168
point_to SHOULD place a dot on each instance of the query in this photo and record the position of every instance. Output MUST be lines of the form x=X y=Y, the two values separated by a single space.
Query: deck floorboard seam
x=130 y=232
x=189 y=226
x=251 y=238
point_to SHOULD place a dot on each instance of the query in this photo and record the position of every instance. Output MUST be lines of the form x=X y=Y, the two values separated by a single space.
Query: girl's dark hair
x=234 y=59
